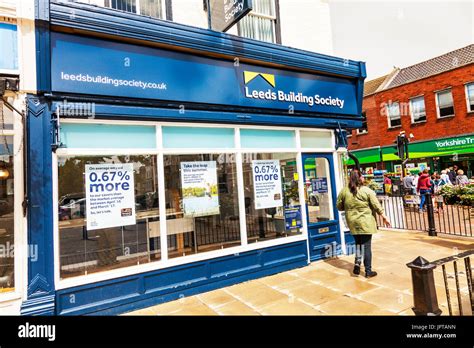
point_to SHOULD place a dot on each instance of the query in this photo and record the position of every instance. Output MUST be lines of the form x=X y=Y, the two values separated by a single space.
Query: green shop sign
x=434 y=148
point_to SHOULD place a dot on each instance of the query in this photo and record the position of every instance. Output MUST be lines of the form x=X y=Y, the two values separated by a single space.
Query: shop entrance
x=323 y=227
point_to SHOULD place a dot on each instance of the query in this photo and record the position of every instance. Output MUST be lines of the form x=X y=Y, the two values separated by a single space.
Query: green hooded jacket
x=360 y=209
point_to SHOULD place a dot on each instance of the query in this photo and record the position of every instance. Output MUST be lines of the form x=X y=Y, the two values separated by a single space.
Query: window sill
x=363 y=133
x=469 y=113
x=443 y=117
x=395 y=127
x=419 y=122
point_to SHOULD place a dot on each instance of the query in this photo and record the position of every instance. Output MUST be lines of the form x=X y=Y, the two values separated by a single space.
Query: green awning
x=365 y=156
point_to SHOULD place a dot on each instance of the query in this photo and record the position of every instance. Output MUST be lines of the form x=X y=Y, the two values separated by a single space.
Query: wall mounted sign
x=199 y=188
x=267 y=184
x=226 y=13
x=110 y=195
x=92 y=66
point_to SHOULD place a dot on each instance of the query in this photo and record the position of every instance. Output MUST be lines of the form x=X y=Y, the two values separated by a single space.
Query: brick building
x=434 y=101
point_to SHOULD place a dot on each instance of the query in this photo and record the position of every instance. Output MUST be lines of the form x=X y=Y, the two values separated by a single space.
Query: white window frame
x=359 y=132
x=387 y=108
x=411 y=109
x=19 y=226
x=160 y=151
x=137 y=6
x=437 y=103
x=468 y=105
x=273 y=19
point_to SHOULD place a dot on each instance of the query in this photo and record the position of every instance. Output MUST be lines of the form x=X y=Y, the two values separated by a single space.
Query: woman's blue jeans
x=423 y=197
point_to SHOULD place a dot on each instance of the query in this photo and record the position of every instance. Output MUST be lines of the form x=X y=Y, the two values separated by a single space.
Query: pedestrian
x=408 y=184
x=445 y=177
x=415 y=182
x=360 y=205
x=433 y=182
x=387 y=183
x=439 y=183
x=423 y=187
x=461 y=179
x=452 y=174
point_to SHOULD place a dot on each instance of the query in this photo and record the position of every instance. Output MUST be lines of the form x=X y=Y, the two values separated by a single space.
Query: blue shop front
x=166 y=160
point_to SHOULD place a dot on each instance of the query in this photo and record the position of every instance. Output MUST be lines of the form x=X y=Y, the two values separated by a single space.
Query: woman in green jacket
x=360 y=205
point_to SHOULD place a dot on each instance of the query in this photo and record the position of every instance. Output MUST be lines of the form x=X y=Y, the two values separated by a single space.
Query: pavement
x=328 y=287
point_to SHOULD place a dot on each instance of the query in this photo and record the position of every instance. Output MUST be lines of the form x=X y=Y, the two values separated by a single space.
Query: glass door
x=320 y=197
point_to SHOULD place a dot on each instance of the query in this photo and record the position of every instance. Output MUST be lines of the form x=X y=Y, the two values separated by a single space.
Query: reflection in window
x=7 y=281
x=271 y=211
x=202 y=208
x=85 y=251
x=317 y=189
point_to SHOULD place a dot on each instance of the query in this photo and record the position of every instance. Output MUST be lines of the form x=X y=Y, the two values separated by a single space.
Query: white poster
x=110 y=195
x=267 y=184
x=199 y=188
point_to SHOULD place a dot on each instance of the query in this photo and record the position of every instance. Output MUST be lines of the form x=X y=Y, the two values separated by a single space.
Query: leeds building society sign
x=225 y=13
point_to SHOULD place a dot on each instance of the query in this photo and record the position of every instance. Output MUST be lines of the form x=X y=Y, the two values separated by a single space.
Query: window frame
x=437 y=103
x=466 y=92
x=411 y=109
x=275 y=19
x=108 y=4
x=389 y=119
x=366 y=130
x=160 y=151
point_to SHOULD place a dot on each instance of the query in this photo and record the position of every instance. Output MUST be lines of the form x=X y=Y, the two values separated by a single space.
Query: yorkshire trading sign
x=225 y=13
x=92 y=66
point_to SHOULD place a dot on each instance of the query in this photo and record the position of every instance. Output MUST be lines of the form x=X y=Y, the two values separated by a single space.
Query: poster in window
x=267 y=184
x=398 y=168
x=293 y=220
x=110 y=195
x=199 y=188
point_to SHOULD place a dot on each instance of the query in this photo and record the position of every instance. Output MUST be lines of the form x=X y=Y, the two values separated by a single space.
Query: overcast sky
x=399 y=33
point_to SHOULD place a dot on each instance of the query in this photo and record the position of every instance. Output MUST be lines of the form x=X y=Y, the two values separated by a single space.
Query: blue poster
x=101 y=67
x=293 y=218
x=319 y=185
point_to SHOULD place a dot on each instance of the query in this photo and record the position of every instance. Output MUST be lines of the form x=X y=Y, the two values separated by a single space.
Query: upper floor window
x=470 y=96
x=393 y=112
x=444 y=100
x=417 y=110
x=260 y=24
x=363 y=129
x=151 y=8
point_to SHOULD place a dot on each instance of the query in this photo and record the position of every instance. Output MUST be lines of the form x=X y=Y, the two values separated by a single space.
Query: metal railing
x=456 y=280
x=404 y=213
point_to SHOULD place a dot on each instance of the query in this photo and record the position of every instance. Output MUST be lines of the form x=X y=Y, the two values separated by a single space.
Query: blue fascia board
x=131 y=26
x=118 y=111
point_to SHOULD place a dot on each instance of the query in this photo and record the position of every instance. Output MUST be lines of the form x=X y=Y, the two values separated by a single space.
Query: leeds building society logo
x=273 y=94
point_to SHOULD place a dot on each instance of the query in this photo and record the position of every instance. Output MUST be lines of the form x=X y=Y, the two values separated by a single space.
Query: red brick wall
x=461 y=123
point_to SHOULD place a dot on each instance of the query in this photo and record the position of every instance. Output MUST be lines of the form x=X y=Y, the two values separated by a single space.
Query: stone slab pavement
x=328 y=287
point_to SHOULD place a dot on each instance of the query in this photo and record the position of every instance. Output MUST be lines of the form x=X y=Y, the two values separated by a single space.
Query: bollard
x=424 y=291
x=431 y=216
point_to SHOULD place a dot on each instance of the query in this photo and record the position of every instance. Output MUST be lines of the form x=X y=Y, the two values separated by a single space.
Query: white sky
x=399 y=33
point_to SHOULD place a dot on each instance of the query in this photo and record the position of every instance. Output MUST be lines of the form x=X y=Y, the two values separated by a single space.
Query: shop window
x=272 y=203
x=197 y=137
x=470 y=97
x=417 y=108
x=260 y=23
x=364 y=128
x=268 y=139
x=8 y=47
x=445 y=104
x=202 y=206
x=316 y=140
x=394 y=118
x=93 y=239
x=317 y=189
x=7 y=222
x=106 y=136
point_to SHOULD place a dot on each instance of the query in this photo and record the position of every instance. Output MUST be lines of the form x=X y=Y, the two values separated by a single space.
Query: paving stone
x=235 y=308
x=349 y=285
x=348 y=306
x=388 y=299
x=289 y=307
x=217 y=298
x=199 y=309
x=314 y=294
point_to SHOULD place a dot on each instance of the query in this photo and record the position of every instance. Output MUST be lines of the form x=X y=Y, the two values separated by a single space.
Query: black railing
x=404 y=213
x=456 y=280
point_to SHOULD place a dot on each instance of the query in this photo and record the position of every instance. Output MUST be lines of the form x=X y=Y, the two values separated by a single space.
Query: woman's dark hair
x=354 y=181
